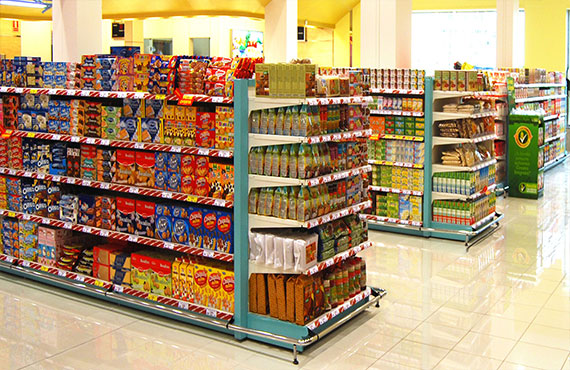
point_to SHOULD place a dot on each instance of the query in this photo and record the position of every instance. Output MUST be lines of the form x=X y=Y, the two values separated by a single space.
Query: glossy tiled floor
x=503 y=305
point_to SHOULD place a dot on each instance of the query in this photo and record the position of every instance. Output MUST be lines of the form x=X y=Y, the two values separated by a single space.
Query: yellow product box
x=140 y=272
x=191 y=113
x=227 y=291
x=180 y=112
x=169 y=112
x=453 y=80
x=214 y=287
x=461 y=80
x=437 y=80
x=445 y=80
x=200 y=284
x=189 y=282
x=176 y=280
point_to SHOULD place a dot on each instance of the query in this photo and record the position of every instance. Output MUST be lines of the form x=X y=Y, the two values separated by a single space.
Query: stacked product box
x=33 y=112
x=110 y=118
x=141 y=70
x=27 y=72
x=161 y=74
x=404 y=79
x=125 y=74
x=10 y=237
x=191 y=75
x=180 y=125
x=151 y=272
x=62 y=75
x=399 y=206
x=398 y=177
x=105 y=72
x=3 y=193
x=112 y=262
x=290 y=80
x=28 y=235
x=88 y=68
x=10 y=106
x=396 y=103
x=50 y=241
x=216 y=74
x=214 y=285
x=464 y=212
x=397 y=151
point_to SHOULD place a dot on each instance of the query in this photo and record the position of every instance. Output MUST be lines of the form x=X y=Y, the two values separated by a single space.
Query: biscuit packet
x=279 y=121
x=271 y=117
x=292 y=203
x=288 y=122
x=294 y=161
x=284 y=161
x=275 y=161
x=268 y=161
x=254 y=122
x=303 y=204
x=253 y=200
x=263 y=121
x=304 y=123
x=284 y=204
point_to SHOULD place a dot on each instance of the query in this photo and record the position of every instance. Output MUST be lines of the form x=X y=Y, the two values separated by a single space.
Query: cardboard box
x=141 y=272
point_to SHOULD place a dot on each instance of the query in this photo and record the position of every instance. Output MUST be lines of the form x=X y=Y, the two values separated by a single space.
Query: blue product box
x=160 y=160
x=173 y=164
x=163 y=220
x=160 y=179
x=180 y=231
x=172 y=181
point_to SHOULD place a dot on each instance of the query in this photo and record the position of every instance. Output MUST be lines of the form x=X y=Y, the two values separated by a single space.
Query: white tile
x=537 y=356
x=415 y=354
x=437 y=335
x=458 y=360
x=501 y=327
x=485 y=345
x=547 y=336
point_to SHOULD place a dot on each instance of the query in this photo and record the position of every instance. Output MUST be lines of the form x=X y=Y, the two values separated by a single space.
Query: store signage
x=525 y=177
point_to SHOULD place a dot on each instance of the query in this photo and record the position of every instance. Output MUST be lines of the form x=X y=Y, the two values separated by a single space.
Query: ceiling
x=316 y=12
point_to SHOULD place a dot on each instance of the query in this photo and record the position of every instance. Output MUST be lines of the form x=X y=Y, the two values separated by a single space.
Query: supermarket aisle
x=506 y=302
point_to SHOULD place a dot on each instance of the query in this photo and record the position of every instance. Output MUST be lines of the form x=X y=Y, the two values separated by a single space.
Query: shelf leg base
x=295 y=360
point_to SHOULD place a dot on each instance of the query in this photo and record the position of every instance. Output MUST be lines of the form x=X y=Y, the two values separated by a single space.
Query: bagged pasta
x=292 y=206
x=268 y=161
x=304 y=161
x=295 y=122
x=253 y=199
x=254 y=122
x=269 y=202
x=284 y=206
x=264 y=122
x=303 y=204
x=284 y=161
x=279 y=121
x=294 y=161
x=288 y=122
x=275 y=161
x=277 y=202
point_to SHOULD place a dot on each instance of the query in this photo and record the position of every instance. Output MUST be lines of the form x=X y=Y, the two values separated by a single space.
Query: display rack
x=427 y=227
x=241 y=323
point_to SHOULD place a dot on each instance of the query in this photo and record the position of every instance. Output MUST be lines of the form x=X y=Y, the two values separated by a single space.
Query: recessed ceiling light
x=25 y=4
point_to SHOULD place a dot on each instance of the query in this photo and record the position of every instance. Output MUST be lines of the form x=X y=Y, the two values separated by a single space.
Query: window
x=440 y=38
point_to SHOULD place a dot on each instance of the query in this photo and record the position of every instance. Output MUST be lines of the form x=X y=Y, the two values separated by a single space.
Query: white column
x=386 y=33
x=507 y=15
x=76 y=29
x=134 y=34
x=280 y=36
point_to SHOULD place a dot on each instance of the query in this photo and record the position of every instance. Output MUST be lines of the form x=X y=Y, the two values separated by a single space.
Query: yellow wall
x=318 y=48
x=9 y=40
x=36 y=39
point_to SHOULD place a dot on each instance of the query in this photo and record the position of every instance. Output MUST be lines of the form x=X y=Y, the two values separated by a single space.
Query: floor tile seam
x=535 y=316
x=75 y=346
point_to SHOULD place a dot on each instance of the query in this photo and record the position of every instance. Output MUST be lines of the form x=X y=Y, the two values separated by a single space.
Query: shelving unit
x=433 y=102
x=241 y=323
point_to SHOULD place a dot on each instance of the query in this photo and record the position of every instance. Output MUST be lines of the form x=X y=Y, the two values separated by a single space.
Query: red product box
x=201 y=166
x=187 y=184
x=145 y=218
x=126 y=215
x=205 y=138
x=126 y=167
x=103 y=254
x=187 y=165
x=101 y=271
x=145 y=162
x=205 y=120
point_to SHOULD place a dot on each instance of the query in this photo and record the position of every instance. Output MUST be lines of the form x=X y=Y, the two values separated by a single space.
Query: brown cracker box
x=101 y=271
x=290 y=296
x=303 y=299
x=273 y=310
x=280 y=294
x=261 y=294
x=145 y=169
x=126 y=167
x=176 y=280
x=253 y=293
x=145 y=218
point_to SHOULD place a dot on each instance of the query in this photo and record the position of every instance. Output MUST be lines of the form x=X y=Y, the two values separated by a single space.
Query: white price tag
x=208 y=253
x=41 y=176
x=105 y=142
x=168 y=245
x=26 y=263
x=75 y=139
x=90 y=140
x=56 y=137
x=70 y=180
x=61 y=273
x=9 y=259
x=26 y=217
x=80 y=278
x=219 y=202
x=133 y=238
x=211 y=312
x=175 y=149
x=104 y=94
x=217 y=99
x=118 y=288
x=322 y=320
x=52 y=91
x=19 y=90
x=329 y=262
x=87 y=229
x=133 y=190
x=225 y=153
x=166 y=194
x=105 y=185
x=86 y=183
x=27 y=174
x=140 y=95
x=203 y=152
x=183 y=305
x=139 y=146
x=67 y=225
x=104 y=233
x=336 y=137
x=84 y=93
x=56 y=178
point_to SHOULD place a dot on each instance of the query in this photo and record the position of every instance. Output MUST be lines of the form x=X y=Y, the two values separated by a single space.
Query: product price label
x=105 y=185
x=33 y=91
x=56 y=178
x=183 y=305
x=104 y=94
x=152 y=297
x=168 y=245
x=208 y=253
x=175 y=149
x=98 y=283
x=225 y=153
x=52 y=91
x=133 y=190
x=90 y=140
x=219 y=202
x=61 y=273
x=9 y=259
x=105 y=142
x=84 y=93
x=87 y=229
x=75 y=139
x=313 y=270
x=27 y=174
x=211 y=312
x=217 y=99
x=41 y=176
x=11 y=214
x=118 y=288
x=133 y=238
x=329 y=262
x=160 y=96
x=104 y=233
x=139 y=146
x=86 y=183
x=44 y=268
x=67 y=225
x=203 y=152
x=322 y=320
x=140 y=95
x=26 y=217
x=192 y=199
x=26 y=263
x=69 y=180
x=166 y=194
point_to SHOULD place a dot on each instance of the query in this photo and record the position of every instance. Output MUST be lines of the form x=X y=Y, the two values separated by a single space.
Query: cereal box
x=227 y=301
x=133 y=107
x=161 y=275
x=209 y=230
